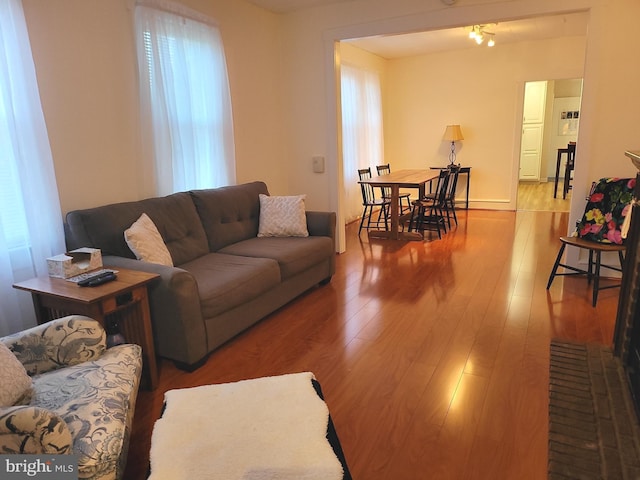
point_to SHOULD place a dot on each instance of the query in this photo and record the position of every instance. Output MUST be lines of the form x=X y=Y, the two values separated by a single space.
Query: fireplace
x=626 y=341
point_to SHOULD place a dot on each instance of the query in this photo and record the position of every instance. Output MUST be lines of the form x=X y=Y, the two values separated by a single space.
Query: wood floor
x=433 y=356
x=539 y=197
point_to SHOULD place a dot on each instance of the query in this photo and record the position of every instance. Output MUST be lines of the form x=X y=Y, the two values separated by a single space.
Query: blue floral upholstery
x=83 y=397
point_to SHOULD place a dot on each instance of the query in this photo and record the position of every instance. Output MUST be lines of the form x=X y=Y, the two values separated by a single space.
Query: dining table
x=396 y=180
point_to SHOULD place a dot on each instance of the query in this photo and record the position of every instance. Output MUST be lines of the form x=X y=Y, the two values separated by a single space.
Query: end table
x=124 y=300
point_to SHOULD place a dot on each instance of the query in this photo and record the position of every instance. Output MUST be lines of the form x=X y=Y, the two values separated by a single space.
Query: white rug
x=263 y=429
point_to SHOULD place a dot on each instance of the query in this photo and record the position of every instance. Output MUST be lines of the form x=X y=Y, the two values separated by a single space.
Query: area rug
x=593 y=429
x=261 y=429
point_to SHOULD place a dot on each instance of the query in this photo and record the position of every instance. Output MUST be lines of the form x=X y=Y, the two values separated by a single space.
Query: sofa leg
x=191 y=367
x=326 y=280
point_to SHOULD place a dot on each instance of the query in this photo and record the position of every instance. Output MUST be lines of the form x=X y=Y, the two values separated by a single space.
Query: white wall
x=482 y=90
x=84 y=53
x=558 y=138
x=610 y=79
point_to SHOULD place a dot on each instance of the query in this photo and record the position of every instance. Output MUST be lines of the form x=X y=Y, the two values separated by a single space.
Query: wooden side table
x=123 y=300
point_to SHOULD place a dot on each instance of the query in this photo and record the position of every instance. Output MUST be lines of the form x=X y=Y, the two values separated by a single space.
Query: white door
x=535 y=95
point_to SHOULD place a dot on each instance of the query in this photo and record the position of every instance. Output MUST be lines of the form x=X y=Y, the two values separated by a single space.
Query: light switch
x=318 y=164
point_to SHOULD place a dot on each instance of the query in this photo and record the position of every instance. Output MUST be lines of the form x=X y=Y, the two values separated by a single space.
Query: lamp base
x=452 y=155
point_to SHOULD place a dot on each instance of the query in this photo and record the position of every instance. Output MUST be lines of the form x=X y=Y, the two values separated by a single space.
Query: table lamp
x=452 y=134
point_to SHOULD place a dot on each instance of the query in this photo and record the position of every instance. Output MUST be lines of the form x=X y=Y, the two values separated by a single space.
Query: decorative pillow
x=282 y=216
x=16 y=384
x=146 y=243
x=608 y=205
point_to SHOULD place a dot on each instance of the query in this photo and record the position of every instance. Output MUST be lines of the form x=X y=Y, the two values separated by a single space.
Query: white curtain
x=185 y=98
x=362 y=135
x=30 y=217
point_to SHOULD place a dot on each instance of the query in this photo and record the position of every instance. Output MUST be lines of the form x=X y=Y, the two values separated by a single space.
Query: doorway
x=416 y=112
x=551 y=117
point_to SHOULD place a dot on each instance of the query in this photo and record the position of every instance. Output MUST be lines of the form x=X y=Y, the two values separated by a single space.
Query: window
x=186 y=104
x=362 y=135
x=30 y=219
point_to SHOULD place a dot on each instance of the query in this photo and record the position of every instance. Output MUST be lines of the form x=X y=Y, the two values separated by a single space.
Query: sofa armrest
x=59 y=343
x=321 y=224
x=32 y=430
x=178 y=327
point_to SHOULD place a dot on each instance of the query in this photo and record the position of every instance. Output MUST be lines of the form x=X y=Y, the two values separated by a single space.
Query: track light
x=478 y=33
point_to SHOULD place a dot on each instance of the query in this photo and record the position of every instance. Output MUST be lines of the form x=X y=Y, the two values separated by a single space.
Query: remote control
x=98 y=279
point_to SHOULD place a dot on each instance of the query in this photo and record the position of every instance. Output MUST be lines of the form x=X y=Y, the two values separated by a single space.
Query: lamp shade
x=453 y=133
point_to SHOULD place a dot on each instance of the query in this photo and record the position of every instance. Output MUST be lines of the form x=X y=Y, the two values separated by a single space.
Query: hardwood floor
x=539 y=197
x=433 y=356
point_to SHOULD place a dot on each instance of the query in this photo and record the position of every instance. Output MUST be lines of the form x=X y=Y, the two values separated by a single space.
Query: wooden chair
x=568 y=168
x=450 y=198
x=449 y=203
x=428 y=213
x=595 y=263
x=598 y=232
x=404 y=200
x=370 y=202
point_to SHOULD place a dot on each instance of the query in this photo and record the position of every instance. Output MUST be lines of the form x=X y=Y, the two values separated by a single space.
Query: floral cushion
x=608 y=205
x=31 y=430
x=83 y=396
x=13 y=378
x=96 y=400
x=57 y=344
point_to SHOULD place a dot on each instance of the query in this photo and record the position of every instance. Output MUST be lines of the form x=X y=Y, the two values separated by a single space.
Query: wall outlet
x=318 y=164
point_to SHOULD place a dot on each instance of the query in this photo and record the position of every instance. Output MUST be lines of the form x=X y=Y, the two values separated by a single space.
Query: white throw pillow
x=146 y=243
x=282 y=216
x=16 y=384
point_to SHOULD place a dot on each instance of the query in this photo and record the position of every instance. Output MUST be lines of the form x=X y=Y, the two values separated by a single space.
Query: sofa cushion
x=175 y=217
x=229 y=214
x=282 y=216
x=60 y=343
x=146 y=243
x=16 y=384
x=293 y=254
x=226 y=281
x=95 y=399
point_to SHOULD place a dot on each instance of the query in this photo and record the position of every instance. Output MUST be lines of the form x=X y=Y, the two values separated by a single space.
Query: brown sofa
x=225 y=278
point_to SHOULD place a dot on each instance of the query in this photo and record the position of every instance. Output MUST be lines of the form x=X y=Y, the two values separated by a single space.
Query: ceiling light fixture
x=478 y=33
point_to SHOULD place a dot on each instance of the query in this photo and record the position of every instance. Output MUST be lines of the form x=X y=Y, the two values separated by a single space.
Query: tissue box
x=74 y=262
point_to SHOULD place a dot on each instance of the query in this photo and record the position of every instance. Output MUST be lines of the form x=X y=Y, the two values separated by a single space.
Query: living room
x=85 y=56
x=282 y=79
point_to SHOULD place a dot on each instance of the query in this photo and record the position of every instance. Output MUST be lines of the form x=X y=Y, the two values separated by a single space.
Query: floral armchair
x=69 y=394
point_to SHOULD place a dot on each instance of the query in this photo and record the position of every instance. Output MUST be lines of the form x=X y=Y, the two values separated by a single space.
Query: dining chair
x=450 y=200
x=569 y=167
x=404 y=199
x=370 y=202
x=428 y=212
x=599 y=231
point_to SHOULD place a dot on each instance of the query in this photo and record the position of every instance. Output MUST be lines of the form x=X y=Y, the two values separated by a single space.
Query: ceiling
x=420 y=43
x=287 y=6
